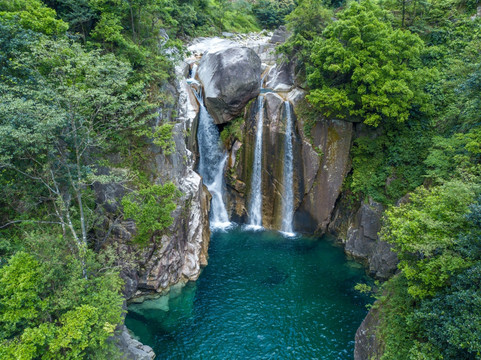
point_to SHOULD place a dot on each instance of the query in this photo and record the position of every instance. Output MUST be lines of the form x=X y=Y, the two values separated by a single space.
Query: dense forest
x=81 y=80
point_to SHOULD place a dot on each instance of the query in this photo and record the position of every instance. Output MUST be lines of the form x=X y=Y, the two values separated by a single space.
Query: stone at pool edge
x=133 y=349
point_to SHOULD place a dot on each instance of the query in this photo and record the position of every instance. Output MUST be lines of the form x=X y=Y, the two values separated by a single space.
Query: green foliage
x=151 y=210
x=390 y=162
x=306 y=22
x=364 y=69
x=33 y=15
x=48 y=309
x=163 y=137
x=232 y=131
x=445 y=326
x=424 y=232
x=452 y=319
x=237 y=16
x=271 y=13
x=395 y=306
x=456 y=156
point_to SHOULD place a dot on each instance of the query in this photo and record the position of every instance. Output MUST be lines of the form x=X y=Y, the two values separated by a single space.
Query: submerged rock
x=275 y=277
x=231 y=78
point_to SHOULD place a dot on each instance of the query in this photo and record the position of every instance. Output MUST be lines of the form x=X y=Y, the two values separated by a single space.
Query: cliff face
x=179 y=255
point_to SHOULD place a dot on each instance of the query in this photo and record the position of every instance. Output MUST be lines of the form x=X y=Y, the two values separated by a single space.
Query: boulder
x=296 y=95
x=280 y=35
x=281 y=77
x=231 y=78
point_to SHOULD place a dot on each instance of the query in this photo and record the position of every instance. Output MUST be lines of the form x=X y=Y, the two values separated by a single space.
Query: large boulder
x=231 y=78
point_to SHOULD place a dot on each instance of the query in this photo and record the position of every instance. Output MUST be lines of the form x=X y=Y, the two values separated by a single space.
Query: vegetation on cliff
x=410 y=72
x=81 y=81
x=80 y=86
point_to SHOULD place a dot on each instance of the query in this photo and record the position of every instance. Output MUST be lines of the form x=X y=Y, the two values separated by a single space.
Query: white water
x=211 y=164
x=288 y=198
x=255 y=210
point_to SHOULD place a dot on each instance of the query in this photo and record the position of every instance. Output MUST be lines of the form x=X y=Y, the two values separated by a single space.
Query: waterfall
x=255 y=211
x=194 y=71
x=211 y=165
x=288 y=198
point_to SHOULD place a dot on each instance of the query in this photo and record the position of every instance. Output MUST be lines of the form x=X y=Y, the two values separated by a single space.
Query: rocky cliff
x=179 y=255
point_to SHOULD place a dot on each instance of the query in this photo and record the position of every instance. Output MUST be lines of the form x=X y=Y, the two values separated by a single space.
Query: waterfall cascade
x=288 y=198
x=212 y=161
x=255 y=209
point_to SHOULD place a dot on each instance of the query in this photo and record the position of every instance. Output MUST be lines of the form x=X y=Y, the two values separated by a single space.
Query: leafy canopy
x=50 y=310
x=365 y=70
x=151 y=210
x=425 y=232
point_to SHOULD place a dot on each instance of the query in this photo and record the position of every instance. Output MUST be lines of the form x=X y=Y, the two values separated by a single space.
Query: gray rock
x=231 y=78
x=273 y=104
x=132 y=349
x=281 y=77
x=325 y=164
x=367 y=345
x=359 y=231
x=280 y=35
x=296 y=96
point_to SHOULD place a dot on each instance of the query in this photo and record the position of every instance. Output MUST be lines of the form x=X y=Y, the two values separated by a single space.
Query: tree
x=62 y=105
x=49 y=310
x=271 y=13
x=151 y=210
x=306 y=22
x=425 y=231
x=364 y=70
x=33 y=15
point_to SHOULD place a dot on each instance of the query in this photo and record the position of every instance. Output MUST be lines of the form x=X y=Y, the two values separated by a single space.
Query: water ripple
x=263 y=296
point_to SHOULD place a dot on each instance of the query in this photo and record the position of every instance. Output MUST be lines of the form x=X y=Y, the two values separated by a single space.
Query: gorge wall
x=231 y=75
x=321 y=147
x=179 y=255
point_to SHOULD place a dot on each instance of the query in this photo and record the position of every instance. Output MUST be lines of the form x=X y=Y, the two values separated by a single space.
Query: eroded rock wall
x=179 y=255
x=357 y=226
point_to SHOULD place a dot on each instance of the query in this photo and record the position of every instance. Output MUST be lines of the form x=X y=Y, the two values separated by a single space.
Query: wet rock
x=367 y=345
x=274 y=123
x=231 y=77
x=274 y=105
x=281 y=77
x=132 y=349
x=325 y=164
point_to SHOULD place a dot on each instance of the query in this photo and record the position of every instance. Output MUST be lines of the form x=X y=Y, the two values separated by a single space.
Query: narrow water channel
x=262 y=296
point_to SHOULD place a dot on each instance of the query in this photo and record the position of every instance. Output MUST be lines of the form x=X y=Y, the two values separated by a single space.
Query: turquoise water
x=262 y=296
